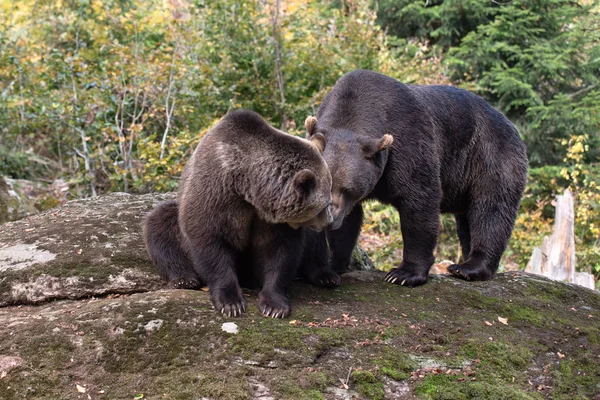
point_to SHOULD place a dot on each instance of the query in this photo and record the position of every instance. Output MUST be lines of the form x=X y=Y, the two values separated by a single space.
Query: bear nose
x=329 y=216
x=334 y=209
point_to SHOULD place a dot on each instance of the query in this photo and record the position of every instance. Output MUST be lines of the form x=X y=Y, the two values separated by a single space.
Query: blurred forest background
x=113 y=95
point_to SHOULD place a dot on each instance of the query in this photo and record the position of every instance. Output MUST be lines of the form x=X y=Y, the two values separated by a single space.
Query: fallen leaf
x=560 y=355
x=503 y=320
x=80 y=388
x=488 y=323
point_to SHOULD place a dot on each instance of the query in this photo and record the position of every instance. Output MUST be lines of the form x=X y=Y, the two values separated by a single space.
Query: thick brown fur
x=424 y=150
x=246 y=200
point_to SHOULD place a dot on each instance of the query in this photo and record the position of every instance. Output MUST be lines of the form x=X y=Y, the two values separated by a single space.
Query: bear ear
x=318 y=140
x=370 y=147
x=304 y=182
x=309 y=124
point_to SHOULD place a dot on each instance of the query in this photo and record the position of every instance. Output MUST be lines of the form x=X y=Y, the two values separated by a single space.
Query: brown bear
x=246 y=198
x=424 y=150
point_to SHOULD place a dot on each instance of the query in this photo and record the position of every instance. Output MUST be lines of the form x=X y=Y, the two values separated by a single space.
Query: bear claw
x=185 y=284
x=470 y=272
x=274 y=305
x=400 y=277
x=233 y=310
x=326 y=279
x=231 y=302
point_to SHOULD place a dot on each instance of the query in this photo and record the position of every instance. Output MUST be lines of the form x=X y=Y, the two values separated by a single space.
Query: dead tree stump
x=555 y=258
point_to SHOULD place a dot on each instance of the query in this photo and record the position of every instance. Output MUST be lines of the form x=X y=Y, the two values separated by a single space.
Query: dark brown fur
x=425 y=150
x=245 y=200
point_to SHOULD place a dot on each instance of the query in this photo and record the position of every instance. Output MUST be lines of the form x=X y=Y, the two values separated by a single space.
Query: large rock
x=518 y=336
x=86 y=247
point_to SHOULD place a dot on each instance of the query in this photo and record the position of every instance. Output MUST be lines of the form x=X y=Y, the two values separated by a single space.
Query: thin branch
x=86 y=153
x=583 y=90
x=169 y=107
x=278 y=73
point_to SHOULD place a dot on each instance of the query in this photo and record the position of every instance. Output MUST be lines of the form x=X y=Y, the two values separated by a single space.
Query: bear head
x=356 y=164
x=311 y=190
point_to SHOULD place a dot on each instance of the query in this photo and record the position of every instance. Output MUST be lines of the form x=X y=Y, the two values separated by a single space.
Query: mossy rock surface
x=85 y=314
x=85 y=247
x=364 y=340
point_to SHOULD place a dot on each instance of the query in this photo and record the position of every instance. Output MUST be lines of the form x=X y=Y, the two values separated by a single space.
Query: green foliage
x=114 y=95
x=112 y=92
x=443 y=23
x=14 y=164
x=538 y=61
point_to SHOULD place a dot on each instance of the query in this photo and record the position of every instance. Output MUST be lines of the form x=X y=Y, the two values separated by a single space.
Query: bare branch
x=584 y=90
x=169 y=104
x=278 y=73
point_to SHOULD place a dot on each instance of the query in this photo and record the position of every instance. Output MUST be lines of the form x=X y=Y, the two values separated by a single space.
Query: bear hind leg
x=464 y=234
x=490 y=226
x=343 y=240
x=315 y=261
x=162 y=238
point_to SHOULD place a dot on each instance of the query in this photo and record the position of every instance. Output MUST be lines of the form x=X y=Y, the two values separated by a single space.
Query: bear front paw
x=274 y=305
x=184 y=283
x=471 y=272
x=325 y=279
x=230 y=303
x=405 y=278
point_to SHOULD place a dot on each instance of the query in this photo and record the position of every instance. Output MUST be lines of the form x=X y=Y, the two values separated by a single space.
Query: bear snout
x=329 y=216
x=336 y=222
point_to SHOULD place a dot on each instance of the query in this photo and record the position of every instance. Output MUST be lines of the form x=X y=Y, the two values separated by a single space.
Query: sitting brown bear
x=246 y=198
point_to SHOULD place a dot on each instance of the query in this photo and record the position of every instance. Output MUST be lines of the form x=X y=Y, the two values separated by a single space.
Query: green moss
x=514 y=312
x=47 y=352
x=368 y=385
x=262 y=338
x=499 y=361
x=576 y=379
x=229 y=385
x=395 y=364
x=448 y=387
x=551 y=292
x=303 y=385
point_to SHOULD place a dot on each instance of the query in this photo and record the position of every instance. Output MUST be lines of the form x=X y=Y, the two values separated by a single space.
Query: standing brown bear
x=424 y=150
x=245 y=199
